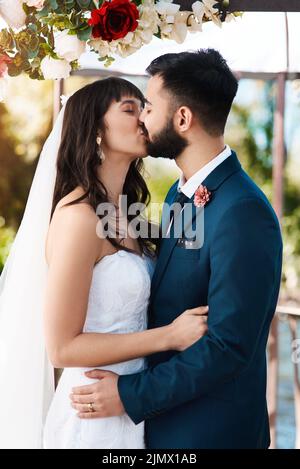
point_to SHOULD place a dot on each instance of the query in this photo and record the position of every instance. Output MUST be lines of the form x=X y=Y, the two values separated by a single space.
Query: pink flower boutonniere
x=202 y=196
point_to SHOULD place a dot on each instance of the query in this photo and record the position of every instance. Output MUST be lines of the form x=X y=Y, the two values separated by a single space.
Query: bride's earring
x=99 y=149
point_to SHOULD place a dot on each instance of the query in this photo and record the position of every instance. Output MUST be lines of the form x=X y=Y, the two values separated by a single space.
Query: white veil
x=26 y=375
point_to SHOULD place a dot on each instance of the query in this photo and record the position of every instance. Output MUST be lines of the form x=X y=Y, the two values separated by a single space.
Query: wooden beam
x=264 y=5
x=278 y=171
x=283 y=310
x=251 y=5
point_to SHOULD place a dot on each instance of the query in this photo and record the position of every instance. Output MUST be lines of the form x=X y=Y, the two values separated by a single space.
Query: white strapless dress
x=118 y=303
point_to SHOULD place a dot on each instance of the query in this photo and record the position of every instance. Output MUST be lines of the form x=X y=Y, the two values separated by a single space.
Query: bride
x=88 y=293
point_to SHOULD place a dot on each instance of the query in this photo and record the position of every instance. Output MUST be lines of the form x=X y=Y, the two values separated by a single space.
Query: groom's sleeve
x=246 y=256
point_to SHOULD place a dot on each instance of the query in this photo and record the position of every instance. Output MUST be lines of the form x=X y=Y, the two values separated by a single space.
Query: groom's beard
x=167 y=143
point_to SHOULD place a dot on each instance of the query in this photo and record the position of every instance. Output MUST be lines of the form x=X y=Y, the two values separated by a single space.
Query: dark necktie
x=181 y=198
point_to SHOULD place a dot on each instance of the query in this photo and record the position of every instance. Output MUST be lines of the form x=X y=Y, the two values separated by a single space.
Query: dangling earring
x=99 y=150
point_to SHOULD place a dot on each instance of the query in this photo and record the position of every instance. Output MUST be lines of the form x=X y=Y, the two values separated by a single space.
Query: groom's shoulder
x=241 y=191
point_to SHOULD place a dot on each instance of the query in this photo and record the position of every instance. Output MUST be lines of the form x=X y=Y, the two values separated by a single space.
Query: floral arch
x=45 y=38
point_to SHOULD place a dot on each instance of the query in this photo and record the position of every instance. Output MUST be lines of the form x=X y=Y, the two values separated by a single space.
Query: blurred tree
x=15 y=176
x=250 y=134
x=6 y=239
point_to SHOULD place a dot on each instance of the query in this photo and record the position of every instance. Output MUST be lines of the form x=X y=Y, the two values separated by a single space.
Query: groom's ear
x=183 y=119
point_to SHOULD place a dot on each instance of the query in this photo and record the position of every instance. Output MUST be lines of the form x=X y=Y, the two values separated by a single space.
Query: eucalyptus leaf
x=84 y=34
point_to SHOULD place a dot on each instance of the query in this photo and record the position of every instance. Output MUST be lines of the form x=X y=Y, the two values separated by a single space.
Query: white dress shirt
x=189 y=187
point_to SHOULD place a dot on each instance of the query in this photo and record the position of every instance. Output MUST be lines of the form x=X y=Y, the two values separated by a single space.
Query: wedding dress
x=118 y=303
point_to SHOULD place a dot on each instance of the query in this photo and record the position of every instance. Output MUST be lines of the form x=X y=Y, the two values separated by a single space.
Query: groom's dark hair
x=200 y=80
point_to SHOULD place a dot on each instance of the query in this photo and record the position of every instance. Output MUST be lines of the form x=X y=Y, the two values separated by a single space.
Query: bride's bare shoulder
x=81 y=208
x=71 y=197
x=77 y=222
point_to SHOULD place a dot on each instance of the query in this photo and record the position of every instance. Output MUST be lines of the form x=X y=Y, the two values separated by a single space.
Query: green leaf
x=53 y=4
x=84 y=34
x=44 y=12
x=33 y=27
x=33 y=53
x=107 y=60
x=86 y=4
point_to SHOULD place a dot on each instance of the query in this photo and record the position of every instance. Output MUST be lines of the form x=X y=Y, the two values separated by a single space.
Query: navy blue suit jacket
x=213 y=394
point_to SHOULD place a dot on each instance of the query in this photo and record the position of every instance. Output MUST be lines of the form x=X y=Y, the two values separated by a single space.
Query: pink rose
x=38 y=4
x=202 y=196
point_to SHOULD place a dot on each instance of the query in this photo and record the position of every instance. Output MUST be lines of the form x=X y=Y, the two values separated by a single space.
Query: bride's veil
x=26 y=376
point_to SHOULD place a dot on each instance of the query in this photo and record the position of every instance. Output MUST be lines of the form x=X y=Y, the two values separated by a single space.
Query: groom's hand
x=100 y=399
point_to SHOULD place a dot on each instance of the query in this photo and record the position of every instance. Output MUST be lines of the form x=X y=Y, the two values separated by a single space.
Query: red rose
x=114 y=19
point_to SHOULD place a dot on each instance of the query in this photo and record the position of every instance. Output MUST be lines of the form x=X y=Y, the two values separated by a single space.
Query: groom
x=213 y=394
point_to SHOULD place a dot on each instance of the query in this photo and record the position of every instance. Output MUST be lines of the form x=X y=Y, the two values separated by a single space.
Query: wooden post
x=278 y=170
x=58 y=89
x=278 y=146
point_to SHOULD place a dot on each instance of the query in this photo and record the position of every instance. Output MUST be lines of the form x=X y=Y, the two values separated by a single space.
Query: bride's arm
x=74 y=249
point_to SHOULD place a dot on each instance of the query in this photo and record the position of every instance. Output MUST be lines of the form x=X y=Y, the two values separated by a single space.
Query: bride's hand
x=189 y=327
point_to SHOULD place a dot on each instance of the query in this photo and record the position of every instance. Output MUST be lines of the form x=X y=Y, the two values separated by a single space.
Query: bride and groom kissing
x=162 y=341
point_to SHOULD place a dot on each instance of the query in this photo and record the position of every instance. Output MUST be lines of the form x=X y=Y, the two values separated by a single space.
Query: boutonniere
x=202 y=196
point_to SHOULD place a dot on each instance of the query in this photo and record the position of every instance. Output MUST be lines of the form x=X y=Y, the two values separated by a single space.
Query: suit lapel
x=230 y=166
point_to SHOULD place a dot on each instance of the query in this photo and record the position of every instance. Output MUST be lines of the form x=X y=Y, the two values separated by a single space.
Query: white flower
x=103 y=48
x=149 y=20
x=38 y=4
x=198 y=10
x=68 y=46
x=167 y=8
x=54 y=69
x=194 y=25
x=13 y=13
x=206 y=8
x=174 y=27
x=230 y=17
x=172 y=22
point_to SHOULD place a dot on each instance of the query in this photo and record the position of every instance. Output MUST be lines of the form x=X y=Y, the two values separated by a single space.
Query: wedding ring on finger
x=91 y=407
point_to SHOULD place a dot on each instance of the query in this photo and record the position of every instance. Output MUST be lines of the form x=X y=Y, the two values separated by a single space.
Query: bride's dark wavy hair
x=78 y=160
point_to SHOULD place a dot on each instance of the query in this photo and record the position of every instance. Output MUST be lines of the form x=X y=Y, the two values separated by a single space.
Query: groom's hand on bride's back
x=189 y=327
x=100 y=399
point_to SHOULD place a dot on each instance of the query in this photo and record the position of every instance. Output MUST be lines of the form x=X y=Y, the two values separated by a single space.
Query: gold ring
x=91 y=407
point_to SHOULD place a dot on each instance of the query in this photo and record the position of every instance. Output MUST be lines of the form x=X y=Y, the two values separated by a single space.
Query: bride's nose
x=142 y=116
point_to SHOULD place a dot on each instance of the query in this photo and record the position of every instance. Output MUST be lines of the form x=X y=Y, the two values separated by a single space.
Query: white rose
x=167 y=8
x=68 y=46
x=180 y=28
x=38 y=4
x=13 y=13
x=103 y=48
x=207 y=8
x=54 y=69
